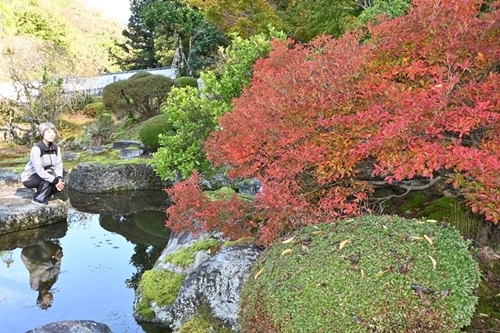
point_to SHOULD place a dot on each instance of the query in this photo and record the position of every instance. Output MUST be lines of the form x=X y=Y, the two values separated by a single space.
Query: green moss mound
x=185 y=81
x=370 y=274
x=160 y=286
x=151 y=128
x=187 y=255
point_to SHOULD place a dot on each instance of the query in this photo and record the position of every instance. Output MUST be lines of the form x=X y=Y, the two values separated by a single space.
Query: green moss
x=413 y=202
x=224 y=193
x=202 y=325
x=186 y=255
x=438 y=209
x=159 y=286
x=108 y=157
x=240 y=241
x=360 y=275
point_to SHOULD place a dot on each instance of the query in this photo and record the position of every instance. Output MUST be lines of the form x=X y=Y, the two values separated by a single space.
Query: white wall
x=92 y=85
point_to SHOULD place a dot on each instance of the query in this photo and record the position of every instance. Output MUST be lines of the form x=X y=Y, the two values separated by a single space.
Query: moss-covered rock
x=159 y=287
x=185 y=256
x=370 y=274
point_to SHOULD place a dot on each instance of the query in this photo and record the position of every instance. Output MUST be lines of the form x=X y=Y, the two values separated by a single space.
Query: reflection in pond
x=43 y=261
x=108 y=241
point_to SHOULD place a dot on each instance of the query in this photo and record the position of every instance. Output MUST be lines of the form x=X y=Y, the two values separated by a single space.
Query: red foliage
x=194 y=211
x=420 y=96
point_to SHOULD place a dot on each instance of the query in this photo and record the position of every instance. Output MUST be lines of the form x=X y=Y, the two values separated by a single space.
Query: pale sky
x=118 y=9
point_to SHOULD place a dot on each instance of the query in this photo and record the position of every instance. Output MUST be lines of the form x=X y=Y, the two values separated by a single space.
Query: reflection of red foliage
x=419 y=97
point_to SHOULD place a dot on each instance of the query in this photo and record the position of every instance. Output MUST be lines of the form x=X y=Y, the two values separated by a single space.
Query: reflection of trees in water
x=144 y=258
x=6 y=257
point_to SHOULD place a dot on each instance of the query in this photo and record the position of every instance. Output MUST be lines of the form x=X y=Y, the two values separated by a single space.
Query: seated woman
x=44 y=171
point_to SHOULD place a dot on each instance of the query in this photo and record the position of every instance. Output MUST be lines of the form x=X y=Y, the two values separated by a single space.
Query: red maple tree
x=414 y=98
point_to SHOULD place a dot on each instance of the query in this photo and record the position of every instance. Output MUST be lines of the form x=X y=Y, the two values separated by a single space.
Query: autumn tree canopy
x=411 y=99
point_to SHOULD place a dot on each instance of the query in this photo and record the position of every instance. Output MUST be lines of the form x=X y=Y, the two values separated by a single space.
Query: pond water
x=107 y=242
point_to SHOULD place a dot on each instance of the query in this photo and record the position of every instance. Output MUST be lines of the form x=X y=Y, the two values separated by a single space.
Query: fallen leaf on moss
x=344 y=243
x=434 y=262
x=285 y=252
x=258 y=273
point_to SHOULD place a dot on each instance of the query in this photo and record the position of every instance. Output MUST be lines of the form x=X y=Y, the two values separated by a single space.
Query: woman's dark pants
x=44 y=188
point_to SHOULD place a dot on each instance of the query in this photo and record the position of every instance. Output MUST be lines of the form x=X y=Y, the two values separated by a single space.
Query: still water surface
x=107 y=244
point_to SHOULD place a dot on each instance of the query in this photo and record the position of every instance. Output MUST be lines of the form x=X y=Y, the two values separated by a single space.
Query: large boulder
x=70 y=326
x=18 y=213
x=100 y=178
x=212 y=282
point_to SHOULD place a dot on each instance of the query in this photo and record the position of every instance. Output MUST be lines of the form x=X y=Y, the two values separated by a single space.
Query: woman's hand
x=60 y=185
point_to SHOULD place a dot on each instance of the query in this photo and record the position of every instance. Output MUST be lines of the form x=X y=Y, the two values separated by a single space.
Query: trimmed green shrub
x=151 y=128
x=112 y=98
x=369 y=274
x=139 y=75
x=144 y=95
x=184 y=81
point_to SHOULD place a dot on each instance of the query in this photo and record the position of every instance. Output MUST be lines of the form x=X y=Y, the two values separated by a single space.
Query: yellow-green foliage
x=199 y=324
x=71 y=126
x=93 y=109
x=186 y=255
x=159 y=286
x=369 y=274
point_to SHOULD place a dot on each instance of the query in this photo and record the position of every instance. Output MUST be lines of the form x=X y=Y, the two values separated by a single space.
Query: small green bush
x=370 y=274
x=151 y=128
x=184 y=81
x=112 y=97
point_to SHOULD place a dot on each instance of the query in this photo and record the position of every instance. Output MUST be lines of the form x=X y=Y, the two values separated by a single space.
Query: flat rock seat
x=18 y=213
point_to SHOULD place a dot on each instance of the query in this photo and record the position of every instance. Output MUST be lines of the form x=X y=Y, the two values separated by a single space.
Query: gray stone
x=127 y=144
x=9 y=178
x=214 y=281
x=70 y=156
x=98 y=178
x=130 y=153
x=73 y=326
x=18 y=213
x=96 y=150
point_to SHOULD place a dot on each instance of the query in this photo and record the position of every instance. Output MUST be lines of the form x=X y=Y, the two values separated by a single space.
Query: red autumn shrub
x=418 y=99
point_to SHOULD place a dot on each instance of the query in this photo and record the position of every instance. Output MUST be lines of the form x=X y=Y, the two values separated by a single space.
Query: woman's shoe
x=38 y=202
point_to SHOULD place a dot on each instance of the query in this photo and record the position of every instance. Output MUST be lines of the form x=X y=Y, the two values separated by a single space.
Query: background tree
x=245 y=18
x=178 y=29
x=193 y=115
x=138 y=49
